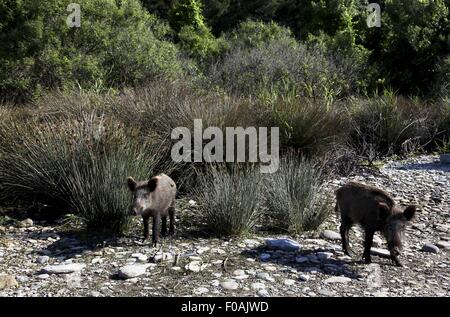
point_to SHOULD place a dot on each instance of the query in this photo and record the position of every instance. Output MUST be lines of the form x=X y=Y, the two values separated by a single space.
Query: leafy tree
x=118 y=44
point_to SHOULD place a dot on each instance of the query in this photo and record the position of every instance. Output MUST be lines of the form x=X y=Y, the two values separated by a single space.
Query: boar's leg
x=368 y=240
x=156 y=229
x=146 y=229
x=346 y=224
x=172 y=221
x=394 y=258
x=164 y=226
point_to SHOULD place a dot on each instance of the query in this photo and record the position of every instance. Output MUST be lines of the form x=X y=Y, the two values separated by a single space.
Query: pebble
x=201 y=290
x=263 y=293
x=230 y=285
x=324 y=255
x=326 y=292
x=431 y=248
x=163 y=257
x=265 y=276
x=304 y=277
x=26 y=223
x=330 y=235
x=42 y=259
x=43 y=276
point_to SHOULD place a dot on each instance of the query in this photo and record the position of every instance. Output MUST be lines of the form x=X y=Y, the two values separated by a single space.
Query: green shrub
x=79 y=166
x=229 y=199
x=282 y=68
x=295 y=197
x=117 y=44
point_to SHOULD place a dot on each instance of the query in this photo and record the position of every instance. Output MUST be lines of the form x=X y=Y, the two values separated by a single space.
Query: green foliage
x=410 y=47
x=186 y=12
x=295 y=196
x=118 y=44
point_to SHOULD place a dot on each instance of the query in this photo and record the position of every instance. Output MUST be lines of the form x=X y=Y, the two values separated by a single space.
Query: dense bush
x=79 y=166
x=117 y=44
x=229 y=199
x=282 y=68
x=295 y=197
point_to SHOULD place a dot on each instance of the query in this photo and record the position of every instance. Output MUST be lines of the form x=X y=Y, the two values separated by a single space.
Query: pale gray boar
x=154 y=198
x=374 y=210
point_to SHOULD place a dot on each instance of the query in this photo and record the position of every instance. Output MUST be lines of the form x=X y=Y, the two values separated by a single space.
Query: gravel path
x=42 y=260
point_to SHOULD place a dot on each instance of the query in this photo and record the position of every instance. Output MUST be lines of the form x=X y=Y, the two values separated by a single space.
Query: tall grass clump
x=309 y=126
x=229 y=199
x=295 y=196
x=77 y=166
x=390 y=124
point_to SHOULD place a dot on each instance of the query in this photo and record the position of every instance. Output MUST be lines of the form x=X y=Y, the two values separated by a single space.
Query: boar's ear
x=152 y=184
x=131 y=183
x=409 y=212
x=383 y=207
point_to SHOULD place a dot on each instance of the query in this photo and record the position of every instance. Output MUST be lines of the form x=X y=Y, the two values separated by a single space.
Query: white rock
x=202 y=250
x=132 y=271
x=194 y=266
x=43 y=276
x=304 y=277
x=257 y=286
x=63 y=268
x=263 y=293
x=163 y=257
x=230 y=285
x=383 y=253
x=338 y=279
x=288 y=282
x=201 y=290
x=192 y=203
x=330 y=235
x=377 y=241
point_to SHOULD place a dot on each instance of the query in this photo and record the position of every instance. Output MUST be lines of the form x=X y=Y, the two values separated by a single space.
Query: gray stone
x=42 y=259
x=431 y=248
x=301 y=259
x=326 y=292
x=377 y=241
x=63 y=268
x=324 y=255
x=330 y=235
x=304 y=277
x=282 y=244
x=163 y=257
x=445 y=158
x=263 y=293
x=264 y=256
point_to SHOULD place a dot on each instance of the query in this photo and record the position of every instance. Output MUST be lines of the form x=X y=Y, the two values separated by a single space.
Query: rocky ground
x=37 y=259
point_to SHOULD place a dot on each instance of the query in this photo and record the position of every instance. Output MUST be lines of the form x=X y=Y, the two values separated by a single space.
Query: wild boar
x=374 y=210
x=154 y=198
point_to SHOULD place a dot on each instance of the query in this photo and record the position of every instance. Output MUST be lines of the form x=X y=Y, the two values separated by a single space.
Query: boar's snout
x=135 y=211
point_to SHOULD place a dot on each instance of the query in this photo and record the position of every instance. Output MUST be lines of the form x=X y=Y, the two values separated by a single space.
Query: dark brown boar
x=374 y=210
x=154 y=198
